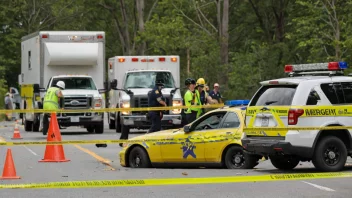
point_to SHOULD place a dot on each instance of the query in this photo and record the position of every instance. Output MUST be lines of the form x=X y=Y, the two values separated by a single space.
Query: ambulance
x=75 y=57
x=131 y=78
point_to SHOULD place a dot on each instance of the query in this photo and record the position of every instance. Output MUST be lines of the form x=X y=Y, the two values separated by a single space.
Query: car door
x=230 y=126
x=191 y=147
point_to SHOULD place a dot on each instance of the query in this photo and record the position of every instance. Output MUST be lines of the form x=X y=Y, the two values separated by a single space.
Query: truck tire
x=117 y=123
x=235 y=158
x=90 y=129
x=111 y=124
x=36 y=123
x=138 y=158
x=28 y=125
x=284 y=162
x=99 y=128
x=330 y=154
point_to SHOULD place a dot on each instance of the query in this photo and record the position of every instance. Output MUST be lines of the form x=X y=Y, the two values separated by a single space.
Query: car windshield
x=147 y=79
x=76 y=83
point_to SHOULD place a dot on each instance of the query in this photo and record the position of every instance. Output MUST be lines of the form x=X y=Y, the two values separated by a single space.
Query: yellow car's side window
x=210 y=122
x=231 y=121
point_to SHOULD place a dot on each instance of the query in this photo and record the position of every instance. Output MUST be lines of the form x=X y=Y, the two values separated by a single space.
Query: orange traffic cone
x=16 y=132
x=54 y=153
x=9 y=171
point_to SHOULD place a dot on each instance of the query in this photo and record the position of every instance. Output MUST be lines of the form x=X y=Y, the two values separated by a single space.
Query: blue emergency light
x=236 y=102
x=330 y=66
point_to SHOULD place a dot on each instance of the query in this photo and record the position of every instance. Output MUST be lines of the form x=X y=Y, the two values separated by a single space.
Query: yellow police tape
x=108 y=109
x=162 y=141
x=249 y=129
x=178 y=181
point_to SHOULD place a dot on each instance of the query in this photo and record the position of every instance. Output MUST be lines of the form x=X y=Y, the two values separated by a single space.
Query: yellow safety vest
x=51 y=100
x=190 y=98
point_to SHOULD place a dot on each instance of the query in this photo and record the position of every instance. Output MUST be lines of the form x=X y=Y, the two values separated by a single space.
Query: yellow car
x=200 y=144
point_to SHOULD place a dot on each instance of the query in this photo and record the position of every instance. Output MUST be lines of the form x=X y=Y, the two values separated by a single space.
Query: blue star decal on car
x=188 y=149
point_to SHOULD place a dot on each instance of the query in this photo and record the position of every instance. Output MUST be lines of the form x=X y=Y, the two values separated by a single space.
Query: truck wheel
x=284 y=162
x=111 y=124
x=99 y=128
x=138 y=158
x=330 y=154
x=28 y=125
x=235 y=158
x=117 y=123
x=36 y=124
x=90 y=129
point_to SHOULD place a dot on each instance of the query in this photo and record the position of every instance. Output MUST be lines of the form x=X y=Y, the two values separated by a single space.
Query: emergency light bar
x=236 y=102
x=330 y=66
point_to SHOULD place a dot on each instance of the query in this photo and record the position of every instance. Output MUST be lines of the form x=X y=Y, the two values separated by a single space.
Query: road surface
x=90 y=163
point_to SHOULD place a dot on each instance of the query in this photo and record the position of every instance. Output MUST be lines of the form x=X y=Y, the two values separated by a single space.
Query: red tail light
x=293 y=115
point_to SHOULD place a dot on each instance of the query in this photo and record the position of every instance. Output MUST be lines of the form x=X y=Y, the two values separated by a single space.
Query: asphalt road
x=91 y=163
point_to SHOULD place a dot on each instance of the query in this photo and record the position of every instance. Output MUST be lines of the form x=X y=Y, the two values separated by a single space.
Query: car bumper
x=274 y=147
x=122 y=155
x=141 y=121
x=93 y=119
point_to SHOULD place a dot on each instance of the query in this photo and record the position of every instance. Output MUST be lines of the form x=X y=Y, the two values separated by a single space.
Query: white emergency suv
x=314 y=95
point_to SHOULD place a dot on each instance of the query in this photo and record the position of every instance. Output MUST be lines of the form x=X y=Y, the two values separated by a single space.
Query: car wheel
x=138 y=158
x=330 y=154
x=235 y=158
x=284 y=162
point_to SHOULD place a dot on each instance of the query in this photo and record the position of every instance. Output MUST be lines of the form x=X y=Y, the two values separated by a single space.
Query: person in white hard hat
x=51 y=102
x=215 y=94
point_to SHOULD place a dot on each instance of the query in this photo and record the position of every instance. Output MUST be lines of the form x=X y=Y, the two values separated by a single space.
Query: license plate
x=265 y=122
x=74 y=119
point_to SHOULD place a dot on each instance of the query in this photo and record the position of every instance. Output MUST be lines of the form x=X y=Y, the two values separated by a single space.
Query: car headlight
x=125 y=104
x=176 y=103
x=98 y=102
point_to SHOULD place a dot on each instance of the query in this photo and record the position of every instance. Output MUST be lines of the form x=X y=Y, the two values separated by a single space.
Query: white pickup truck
x=137 y=75
x=77 y=58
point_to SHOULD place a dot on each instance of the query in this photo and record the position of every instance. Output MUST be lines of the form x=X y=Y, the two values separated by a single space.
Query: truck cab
x=80 y=93
x=130 y=90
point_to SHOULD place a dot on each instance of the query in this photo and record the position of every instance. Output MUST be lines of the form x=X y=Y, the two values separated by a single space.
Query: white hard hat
x=61 y=84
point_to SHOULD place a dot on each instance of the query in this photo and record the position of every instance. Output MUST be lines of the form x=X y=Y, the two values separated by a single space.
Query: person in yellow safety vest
x=205 y=99
x=191 y=98
x=51 y=102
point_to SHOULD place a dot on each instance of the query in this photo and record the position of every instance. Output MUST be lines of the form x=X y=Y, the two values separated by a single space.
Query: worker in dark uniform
x=156 y=99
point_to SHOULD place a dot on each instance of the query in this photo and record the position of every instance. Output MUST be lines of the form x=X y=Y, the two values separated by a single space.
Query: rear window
x=276 y=95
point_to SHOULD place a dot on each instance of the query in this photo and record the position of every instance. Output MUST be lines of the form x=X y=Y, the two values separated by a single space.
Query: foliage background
x=236 y=43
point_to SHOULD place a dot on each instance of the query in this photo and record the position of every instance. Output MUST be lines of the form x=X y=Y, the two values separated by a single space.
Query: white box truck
x=75 y=57
x=131 y=78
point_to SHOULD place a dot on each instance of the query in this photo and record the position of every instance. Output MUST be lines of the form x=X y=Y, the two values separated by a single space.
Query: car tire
x=138 y=158
x=235 y=158
x=284 y=162
x=330 y=154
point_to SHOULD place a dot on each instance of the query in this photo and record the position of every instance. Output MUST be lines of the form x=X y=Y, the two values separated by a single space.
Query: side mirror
x=113 y=84
x=187 y=129
x=101 y=91
x=36 y=88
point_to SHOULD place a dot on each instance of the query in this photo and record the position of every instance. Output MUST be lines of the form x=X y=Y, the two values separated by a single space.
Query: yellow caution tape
x=249 y=129
x=108 y=109
x=178 y=181
x=164 y=141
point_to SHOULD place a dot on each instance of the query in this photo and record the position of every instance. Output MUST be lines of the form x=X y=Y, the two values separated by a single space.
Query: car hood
x=158 y=135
